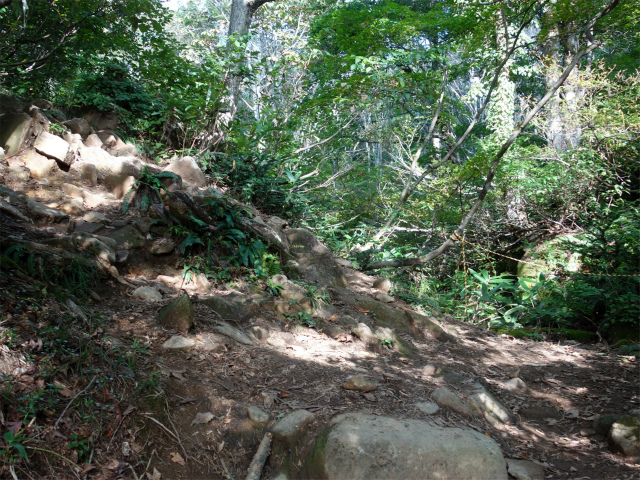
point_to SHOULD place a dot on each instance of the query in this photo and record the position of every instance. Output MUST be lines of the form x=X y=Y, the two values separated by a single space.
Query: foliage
x=302 y=318
x=147 y=189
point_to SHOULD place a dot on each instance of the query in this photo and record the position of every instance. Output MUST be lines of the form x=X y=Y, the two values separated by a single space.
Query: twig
x=72 y=400
x=134 y=472
x=186 y=456
x=255 y=469
x=56 y=454
x=165 y=428
x=226 y=470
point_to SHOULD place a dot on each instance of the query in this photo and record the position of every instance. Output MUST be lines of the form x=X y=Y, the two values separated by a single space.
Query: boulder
x=88 y=242
x=101 y=120
x=8 y=104
x=360 y=446
x=14 y=131
x=189 y=170
x=314 y=259
x=39 y=211
x=93 y=140
x=128 y=238
x=52 y=146
x=625 y=435
x=177 y=315
x=487 y=405
x=39 y=165
x=382 y=284
x=385 y=298
x=388 y=338
x=162 y=246
x=257 y=415
x=360 y=384
x=79 y=126
x=108 y=138
x=119 y=184
x=364 y=333
x=88 y=172
x=515 y=385
x=42 y=103
x=289 y=429
x=235 y=306
x=429 y=408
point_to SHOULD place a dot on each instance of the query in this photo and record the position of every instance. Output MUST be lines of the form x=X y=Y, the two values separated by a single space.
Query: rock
x=119 y=184
x=189 y=170
x=445 y=398
x=95 y=217
x=8 y=104
x=19 y=173
x=257 y=415
x=430 y=327
x=314 y=259
x=361 y=446
x=178 y=314
x=89 y=243
x=382 y=284
x=515 y=385
x=93 y=140
x=14 y=132
x=53 y=147
x=86 y=227
x=42 y=103
x=290 y=291
x=37 y=210
x=347 y=321
x=524 y=470
x=101 y=120
x=162 y=246
x=72 y=190
x=277 y=341
x=234 y=306
x=234 y=333
x=178 y=342
x=127 y=150
x=128 y=238
x=625 y=435
x=383 y=297
x=147 y=293
x=73 y=207
x=364 y=333
x=88 y=172
x=258 y=334
x=122 y=256
x=388 y=338
x=429 y=408
x=289 y=429
x=39 y=165
x=359 y=384
x=3 y=156
x=79 y=126
x=486 y=404
x=6 y=207
x=603 y=423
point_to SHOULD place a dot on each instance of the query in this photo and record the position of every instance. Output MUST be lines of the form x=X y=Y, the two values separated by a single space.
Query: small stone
x=382 y=284
x=178 y=314
x=147 y=293
x=178 y=342
x=429 y=408
x=93 y=140
x=257 y=415
x=258 y=333
x=524 y=470
x=360 y=384
x=386 y=298
x=516 y=385
x=234 y=333
x=447 y=399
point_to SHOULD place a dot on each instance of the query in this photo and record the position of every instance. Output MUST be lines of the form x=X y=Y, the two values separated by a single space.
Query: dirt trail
x=153 y=429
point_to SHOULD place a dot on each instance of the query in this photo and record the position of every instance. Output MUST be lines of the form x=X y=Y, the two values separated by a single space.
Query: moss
x=578 y=335
x=314 y=464
x=622 y=343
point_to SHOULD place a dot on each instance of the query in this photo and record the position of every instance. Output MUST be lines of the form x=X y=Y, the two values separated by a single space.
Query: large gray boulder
x=14 y=131
x=177 y=315
x=189 y=170
x=79 y=126
x=39 y=165
x=315 y=259
x=235 y=306
x=101 y=120
x=625 y=435
x=360 y=446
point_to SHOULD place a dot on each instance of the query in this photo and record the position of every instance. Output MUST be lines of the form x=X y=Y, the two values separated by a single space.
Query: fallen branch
x=255 y=469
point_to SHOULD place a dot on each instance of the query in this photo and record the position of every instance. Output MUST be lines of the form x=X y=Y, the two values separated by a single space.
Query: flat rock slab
x=358 y=446
x=445 y=398
x=38 y=210
x=178 y=342
x=289 y=429
x=233 y=333
x=233 y=307
x=524 y=470
x=149 y=294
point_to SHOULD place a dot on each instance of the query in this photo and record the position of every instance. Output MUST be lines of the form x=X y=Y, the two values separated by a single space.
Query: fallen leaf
x=156 y=475
x=177 y=458
x=203 y=418
x=332 y=318
x=87 y=467
x=361 y=310
x=226 y=420
x=13 y=426
x=65 y=392
x=369 y=396
x=220 y=447
x=283 y=394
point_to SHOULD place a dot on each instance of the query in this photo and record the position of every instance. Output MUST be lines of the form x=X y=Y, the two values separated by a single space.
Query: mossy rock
x=623 y=331
x=549 y=255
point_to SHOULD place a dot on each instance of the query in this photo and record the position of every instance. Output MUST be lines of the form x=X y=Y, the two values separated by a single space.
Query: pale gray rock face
x=315 y=259
x=359 y=446
x=37 y=210
x=189 y=170
x=14 y=131
x=51 y=146
x=93 y=140
x=429 y=408
x=516 y=385
x=490 y=407
x=383 y=297
x=39 y=165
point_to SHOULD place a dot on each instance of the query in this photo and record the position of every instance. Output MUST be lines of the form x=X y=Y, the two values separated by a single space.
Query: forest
x=483 y=155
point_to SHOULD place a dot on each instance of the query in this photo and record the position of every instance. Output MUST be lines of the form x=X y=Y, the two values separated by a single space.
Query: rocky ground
x=96 y=386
